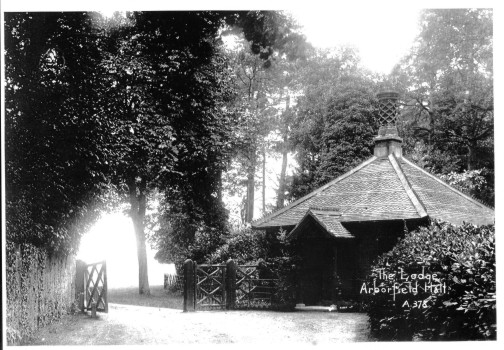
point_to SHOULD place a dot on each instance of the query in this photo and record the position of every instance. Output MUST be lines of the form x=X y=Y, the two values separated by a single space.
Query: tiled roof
x=384 y=188
x=328 y=219
x=443 y=201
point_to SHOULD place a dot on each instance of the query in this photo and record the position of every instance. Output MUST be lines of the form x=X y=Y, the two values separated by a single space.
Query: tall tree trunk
x=264 y=180
x=281 y=181
x=249 y=214
x=137 y=212
x=285 y=151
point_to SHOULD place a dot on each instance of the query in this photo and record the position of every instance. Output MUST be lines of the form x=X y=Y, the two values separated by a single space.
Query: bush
x=463 y=308
x=285 y=270
x=244 y=247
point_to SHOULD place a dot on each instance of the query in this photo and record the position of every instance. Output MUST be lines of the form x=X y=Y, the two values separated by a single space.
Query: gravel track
x=137 y=325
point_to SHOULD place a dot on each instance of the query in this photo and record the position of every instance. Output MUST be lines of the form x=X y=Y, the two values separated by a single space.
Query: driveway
x=137 y=325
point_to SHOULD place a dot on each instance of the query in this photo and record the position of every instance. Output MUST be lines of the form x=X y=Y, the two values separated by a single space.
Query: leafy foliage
x=245 y=246
x=477 y=183
x=270 y=32
x=464 y=259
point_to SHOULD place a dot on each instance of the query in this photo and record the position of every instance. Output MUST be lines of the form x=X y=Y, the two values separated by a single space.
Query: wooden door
x=317 y=271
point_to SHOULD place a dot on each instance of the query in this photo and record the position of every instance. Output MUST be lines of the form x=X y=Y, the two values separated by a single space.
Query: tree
x=176 y=106
x=291 y=86
x=334 y=121
x=193 y=216
x=447 y=81
x=253 y=83
x=262 y=83
x=166 y=87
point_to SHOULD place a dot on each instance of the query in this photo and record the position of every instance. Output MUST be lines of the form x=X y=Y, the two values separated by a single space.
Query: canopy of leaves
x=55 y=165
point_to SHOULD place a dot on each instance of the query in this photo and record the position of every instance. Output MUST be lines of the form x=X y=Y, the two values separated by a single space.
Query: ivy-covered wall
x=40 y=289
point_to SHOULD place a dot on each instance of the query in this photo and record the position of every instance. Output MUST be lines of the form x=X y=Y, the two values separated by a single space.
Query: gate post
x=189 y=286
x=80 y=267
x=230 y=284
x=105 y=286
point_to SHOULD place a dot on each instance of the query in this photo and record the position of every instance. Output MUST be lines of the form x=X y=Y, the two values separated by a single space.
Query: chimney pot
x=388 y=109
x=388 y=140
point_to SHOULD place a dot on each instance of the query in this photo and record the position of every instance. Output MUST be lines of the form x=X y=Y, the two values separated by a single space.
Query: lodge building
x=345 y=224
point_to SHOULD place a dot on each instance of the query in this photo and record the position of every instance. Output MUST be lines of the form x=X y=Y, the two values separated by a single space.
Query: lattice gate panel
x=251 y=290
x=95 y=286
x=210 y=286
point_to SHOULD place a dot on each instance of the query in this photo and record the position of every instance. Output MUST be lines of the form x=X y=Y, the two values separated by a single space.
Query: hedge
x=40 y=289
x=460 y=261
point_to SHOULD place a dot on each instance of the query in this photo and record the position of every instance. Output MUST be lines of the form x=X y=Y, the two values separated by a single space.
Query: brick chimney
x=388 y=140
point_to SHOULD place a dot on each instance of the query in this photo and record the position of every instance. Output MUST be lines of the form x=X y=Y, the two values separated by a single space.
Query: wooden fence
x=174 y=283
x=228 y=286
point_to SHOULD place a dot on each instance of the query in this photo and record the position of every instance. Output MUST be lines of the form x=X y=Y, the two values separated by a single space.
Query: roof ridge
x=314 y=192
x=435 y=177
x=325 y=209
x=413 y=196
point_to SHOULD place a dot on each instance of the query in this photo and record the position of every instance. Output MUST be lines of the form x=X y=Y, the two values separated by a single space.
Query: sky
x=382 y=36
x=112 y=239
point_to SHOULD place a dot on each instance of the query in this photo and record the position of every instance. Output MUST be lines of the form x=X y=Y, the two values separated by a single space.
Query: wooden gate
x=210 y=286
x=251 y=290
x=228 y=286
x=95 y=286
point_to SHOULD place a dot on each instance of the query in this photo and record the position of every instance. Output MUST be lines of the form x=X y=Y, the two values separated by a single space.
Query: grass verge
x=158 y=297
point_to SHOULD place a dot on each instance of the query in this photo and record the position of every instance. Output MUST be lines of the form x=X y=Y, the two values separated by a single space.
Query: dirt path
x=128 y=325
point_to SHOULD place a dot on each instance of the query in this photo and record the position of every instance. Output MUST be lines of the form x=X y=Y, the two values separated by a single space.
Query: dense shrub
x=245 y=246
x=463 y=260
